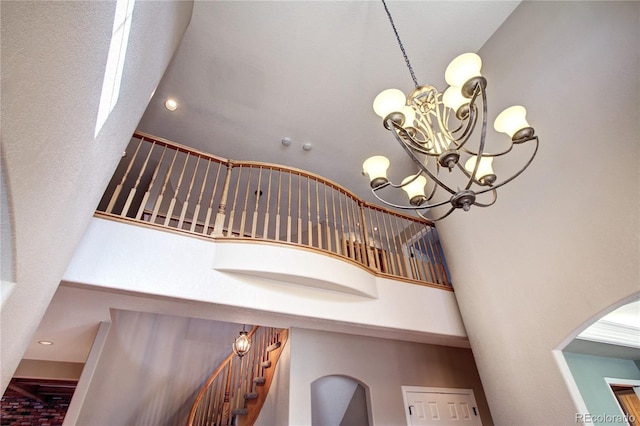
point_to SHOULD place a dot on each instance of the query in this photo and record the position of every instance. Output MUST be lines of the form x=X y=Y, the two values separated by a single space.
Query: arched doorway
x=603 y=361
x=339 y=401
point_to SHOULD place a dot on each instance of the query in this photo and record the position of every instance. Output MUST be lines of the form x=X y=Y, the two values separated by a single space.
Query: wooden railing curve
x=236 y=391
x=168 y=185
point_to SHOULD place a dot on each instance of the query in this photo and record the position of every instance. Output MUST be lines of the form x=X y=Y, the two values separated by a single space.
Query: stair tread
x=240 y=411
x=251 y=395
x=265 y=364
x=259 y=380
x=273 y=346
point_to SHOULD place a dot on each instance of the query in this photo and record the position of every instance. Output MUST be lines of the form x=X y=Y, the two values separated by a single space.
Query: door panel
x=438 y=408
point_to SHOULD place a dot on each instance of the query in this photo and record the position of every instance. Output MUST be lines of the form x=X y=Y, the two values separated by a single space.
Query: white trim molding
x=612 y=333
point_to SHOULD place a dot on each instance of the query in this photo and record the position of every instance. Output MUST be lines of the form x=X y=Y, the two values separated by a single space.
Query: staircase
x=237 y=389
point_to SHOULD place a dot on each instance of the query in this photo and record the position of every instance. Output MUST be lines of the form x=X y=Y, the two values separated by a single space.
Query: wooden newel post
x=218 y=225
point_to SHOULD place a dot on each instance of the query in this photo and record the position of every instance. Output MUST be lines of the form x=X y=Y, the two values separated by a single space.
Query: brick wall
x=46 y=410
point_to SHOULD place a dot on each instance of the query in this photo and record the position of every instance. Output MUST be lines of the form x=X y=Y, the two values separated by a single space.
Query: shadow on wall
x=339 y=400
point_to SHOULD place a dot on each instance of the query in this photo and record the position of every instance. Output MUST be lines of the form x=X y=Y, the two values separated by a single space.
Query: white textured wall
x=120 y=256
x=382 y=365
x=54 y=171
x=275 y=410
x=561 y=245
x=151 y=368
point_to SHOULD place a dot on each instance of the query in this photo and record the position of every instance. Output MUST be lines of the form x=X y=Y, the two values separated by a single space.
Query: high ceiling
x=249 y=74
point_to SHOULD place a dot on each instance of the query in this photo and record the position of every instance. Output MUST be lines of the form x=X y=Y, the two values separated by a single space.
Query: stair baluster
x=235 y=392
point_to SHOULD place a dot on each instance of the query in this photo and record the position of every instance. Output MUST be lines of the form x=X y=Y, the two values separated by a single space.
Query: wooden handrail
x=205 y=195
x=238 y=387
x=211 y=379
x=278 y=167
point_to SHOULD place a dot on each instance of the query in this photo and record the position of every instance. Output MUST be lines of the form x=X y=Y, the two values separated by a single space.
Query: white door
x=445 y=407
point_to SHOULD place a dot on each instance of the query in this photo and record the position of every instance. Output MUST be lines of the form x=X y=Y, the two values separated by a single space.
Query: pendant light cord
x=404 y=53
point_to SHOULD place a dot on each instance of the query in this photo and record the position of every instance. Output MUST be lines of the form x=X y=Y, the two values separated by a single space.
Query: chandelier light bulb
x=485 y=174
x=388 y=101
x=462 y=69
x=511 y=120
x=414 y=187
x=376 y=168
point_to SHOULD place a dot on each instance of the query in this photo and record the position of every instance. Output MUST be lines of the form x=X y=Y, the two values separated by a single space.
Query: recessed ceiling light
x=171 y=104
x=45 y=342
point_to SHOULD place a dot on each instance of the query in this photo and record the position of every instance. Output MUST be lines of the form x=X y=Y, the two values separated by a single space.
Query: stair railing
x=238 y=387
x=172 y=187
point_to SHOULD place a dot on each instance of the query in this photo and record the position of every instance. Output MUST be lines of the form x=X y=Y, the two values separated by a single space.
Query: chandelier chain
x=404 y=53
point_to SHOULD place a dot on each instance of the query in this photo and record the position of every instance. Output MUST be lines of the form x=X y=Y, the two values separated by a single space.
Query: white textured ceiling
x=248 y=74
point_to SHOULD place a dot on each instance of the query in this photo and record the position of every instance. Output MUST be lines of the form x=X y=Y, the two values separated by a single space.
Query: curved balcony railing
x=170 y=186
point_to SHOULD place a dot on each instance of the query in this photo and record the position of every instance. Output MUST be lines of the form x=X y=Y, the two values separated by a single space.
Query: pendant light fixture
x=436 y=131
x=242 y=344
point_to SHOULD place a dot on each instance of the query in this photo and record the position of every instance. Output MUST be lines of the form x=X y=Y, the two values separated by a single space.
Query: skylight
x=115 y=61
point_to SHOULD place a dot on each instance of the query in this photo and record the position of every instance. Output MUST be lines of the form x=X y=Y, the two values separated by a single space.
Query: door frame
x=633 y=383
x=424 y=389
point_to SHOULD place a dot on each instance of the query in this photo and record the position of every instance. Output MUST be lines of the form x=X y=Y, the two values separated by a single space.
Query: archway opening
x=339 y=401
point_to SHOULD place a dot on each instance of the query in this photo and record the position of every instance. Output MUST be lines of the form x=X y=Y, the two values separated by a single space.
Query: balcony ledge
x=294 y=266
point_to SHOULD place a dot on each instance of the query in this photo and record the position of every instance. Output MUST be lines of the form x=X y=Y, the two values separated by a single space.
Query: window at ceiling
x=115 y=61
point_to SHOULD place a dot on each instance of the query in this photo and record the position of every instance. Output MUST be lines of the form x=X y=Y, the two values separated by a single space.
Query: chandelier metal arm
x=485 y=154
x=451 y=210
x=533 y=155
x=468 y=131
x=467 y=174
x=405 y=207
x=483 y=135
x=495 y=198
x=416 y=160
x=414 y=144
x=472 y=119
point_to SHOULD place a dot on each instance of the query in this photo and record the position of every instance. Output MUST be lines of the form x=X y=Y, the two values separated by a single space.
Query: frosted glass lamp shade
x=452 y=98
x=485 y=174
x=462 y=69
x=376 y=168
x=409 y=116
x=511 y=120
x=415 y=189
x=388 y=101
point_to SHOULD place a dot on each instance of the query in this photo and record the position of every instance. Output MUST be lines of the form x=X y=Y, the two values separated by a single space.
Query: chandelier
x=435 y=130
x=242 y=344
